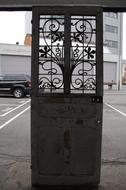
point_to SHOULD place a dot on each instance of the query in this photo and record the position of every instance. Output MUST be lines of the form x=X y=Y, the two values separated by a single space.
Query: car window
x=1 y=78
x=14 y=77
x=18 y=77
x=28 y=77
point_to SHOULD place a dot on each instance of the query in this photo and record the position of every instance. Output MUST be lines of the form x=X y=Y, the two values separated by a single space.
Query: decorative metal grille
x=83 y=54
x=51 y=53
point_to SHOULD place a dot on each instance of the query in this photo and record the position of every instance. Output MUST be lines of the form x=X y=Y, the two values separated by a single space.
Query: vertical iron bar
x=83 y=64
x=99 y=53
x=51 y=55
x=34 y=93
x=35 y=53
x=67 y=47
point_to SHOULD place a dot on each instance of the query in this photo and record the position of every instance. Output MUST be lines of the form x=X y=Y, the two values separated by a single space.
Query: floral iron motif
x=51 y=54
x=83 y=53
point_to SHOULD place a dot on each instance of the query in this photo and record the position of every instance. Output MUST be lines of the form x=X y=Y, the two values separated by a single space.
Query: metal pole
x=120 y=52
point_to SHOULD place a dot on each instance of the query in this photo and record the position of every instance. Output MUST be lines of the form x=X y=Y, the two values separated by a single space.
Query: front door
x=67 y=91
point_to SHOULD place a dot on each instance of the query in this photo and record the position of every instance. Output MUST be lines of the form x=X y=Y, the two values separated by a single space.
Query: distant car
x=17 y=85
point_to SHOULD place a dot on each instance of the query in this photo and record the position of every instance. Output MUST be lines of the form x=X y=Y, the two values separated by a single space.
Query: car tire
x=18 y=93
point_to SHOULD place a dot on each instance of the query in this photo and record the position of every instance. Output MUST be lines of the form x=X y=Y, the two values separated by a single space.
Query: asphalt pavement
x=15 y=145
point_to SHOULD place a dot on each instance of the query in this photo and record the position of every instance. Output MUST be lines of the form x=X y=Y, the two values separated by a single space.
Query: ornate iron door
x=67 y=90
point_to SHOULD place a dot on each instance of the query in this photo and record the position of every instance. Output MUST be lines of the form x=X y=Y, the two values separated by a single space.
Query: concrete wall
x=29 y=3
x=15 y=59
x=11 y=64
x=111 y=73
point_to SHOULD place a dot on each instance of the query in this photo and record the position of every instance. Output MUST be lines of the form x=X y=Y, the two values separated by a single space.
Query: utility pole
x=120 y=52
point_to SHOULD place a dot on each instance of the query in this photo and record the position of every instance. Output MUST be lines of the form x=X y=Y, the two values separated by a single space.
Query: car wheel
x=18 y=93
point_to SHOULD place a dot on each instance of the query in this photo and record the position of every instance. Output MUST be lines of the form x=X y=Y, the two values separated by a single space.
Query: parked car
x=17 y=85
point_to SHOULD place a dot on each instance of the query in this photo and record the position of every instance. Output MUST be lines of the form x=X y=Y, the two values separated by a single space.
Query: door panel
x=50 y=157
x=83 y=154
x=66 y=95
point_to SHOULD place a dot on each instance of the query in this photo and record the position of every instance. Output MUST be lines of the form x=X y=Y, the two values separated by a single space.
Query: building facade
x=15 y=59
x=112 y=39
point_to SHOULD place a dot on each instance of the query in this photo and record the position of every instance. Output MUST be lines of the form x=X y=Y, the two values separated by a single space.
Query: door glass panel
x=51 y=54
x=83 y=54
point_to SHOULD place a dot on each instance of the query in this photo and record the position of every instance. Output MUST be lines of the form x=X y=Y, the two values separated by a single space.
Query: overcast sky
x=12 y=27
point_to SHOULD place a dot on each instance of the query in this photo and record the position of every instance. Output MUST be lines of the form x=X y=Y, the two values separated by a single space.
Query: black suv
x=17 y=85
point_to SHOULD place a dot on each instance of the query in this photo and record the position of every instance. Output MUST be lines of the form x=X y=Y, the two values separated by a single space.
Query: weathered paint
x=66 y=128
x=67 y=143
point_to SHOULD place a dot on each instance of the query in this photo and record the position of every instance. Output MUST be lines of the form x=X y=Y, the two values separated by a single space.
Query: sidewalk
x=16 y=175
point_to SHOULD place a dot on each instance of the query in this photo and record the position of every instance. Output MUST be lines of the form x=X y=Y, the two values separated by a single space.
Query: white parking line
x=14 y=109
x=116 y=109
x=9 y=121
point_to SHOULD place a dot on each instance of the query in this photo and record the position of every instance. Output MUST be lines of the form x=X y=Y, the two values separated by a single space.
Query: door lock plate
x=97 y=99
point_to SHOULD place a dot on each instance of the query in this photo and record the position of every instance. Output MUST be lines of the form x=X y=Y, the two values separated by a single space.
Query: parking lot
x=10 y=108
x=15 y=143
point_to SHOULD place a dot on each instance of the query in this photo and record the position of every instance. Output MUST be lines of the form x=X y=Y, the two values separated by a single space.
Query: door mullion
x=35 y=50
x=99 y=53
x=67 y=42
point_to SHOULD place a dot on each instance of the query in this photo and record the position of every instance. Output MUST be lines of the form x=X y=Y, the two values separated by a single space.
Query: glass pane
x=83 y=54
x=51 y=53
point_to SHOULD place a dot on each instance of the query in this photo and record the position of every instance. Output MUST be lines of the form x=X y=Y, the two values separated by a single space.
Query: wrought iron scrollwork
x=51 y=53
x=52 y=76
x=82 y=58
x=88 y=84
x=83 y=53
